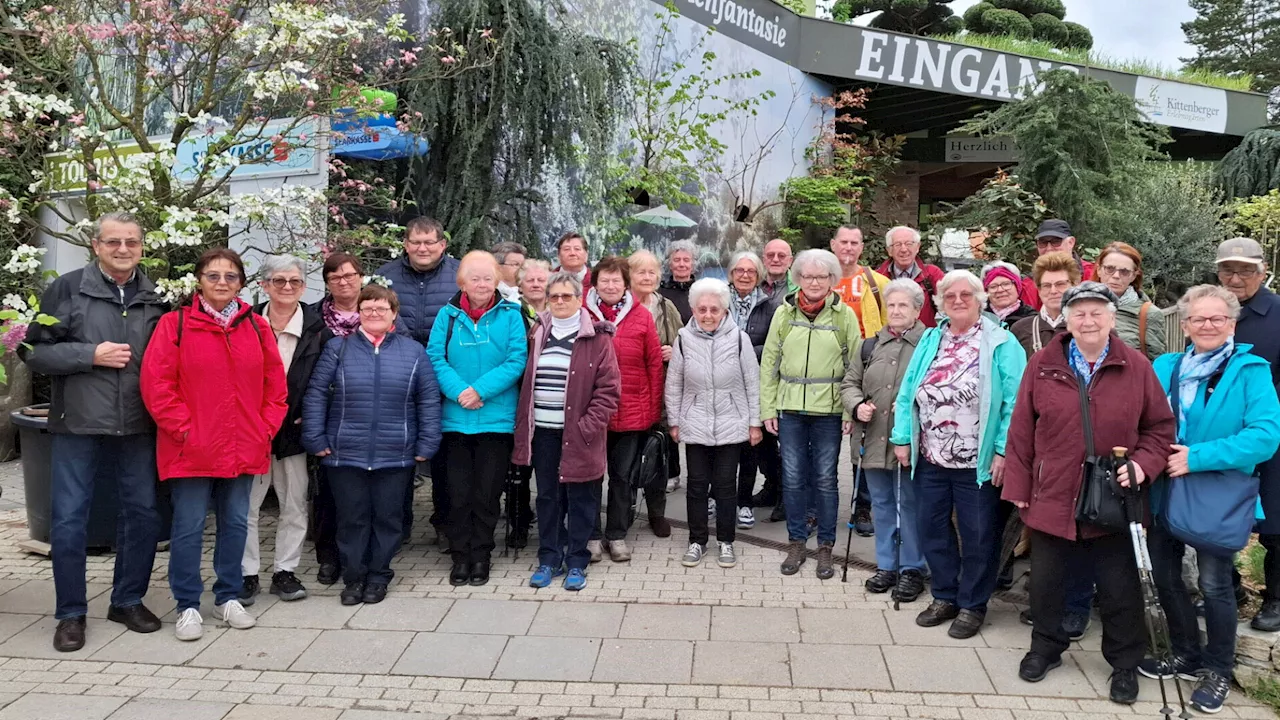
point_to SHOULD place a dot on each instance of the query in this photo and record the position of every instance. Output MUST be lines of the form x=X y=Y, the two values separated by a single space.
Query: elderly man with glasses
x=905 y=262
x=1053 y=236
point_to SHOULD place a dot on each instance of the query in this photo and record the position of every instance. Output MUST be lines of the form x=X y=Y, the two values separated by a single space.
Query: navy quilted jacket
x=421 y=294
x=373 y=408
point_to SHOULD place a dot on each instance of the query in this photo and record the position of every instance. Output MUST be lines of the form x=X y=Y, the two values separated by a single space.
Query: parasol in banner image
x=663 y=216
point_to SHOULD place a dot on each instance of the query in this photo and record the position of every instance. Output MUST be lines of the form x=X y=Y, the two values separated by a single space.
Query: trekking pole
x=509 y=510
x=1156 y=621
x=897 y=529
x=848 y=543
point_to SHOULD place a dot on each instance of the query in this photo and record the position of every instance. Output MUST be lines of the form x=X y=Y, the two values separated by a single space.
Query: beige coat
x=878 y=383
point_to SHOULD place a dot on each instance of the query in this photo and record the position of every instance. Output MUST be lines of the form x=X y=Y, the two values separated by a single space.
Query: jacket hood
x=727 y=326
x=592 y=305
x=589 y=327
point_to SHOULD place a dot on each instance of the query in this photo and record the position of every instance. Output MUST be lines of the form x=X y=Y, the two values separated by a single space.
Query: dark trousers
x=624 y=452
x=519 y=513
x=439 y=492
x=714 y=468
x=567 y=512
x=76 y=461
x=476 y=468
x=966 y=579
x=861 y=493
x=673 y=458
x=1124 y=634
x=1271 y=566
x=1218 y=653
x=324 y=528
x=761 y=458
x=370 y=517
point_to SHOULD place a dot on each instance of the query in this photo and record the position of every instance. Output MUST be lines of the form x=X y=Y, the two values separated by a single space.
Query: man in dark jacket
x=1242 y=269
x=106 y=313
x=424 y=280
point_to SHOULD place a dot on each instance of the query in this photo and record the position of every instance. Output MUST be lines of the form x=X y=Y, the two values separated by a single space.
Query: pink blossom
x=407 y=57
x=14 y=335
x=357 y=69
x=487 y=33
x=311 y=104
x=448 y=59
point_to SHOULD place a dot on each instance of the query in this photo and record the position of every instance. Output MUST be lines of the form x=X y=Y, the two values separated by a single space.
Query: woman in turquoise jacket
x=478 y=351
x=1228 y=419
x=950 y=421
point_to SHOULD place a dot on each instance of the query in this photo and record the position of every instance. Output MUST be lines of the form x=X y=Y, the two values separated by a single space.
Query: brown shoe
x=825 y=568
x=795 y=558
x=661 y=526
x=69 y=636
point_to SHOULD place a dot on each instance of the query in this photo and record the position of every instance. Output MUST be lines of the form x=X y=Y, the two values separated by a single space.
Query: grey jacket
x=1127 y=311
x=878 y=383
x=713 y=385
x=87 y=399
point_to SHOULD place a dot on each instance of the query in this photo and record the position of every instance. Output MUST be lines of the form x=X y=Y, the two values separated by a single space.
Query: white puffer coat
x=713 y=385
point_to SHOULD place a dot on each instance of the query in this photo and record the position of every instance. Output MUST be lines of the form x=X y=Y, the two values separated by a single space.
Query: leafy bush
x=1078 y=36
x=974 y=19
x=1050 y=29
x=1050 y=7
x=1007 y=22
x=1253 y=166
x=1006 y=211
x=909 y=7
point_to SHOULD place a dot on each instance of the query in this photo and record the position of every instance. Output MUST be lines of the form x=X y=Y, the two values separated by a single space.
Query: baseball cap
x=1054 y=229
x=1088 y=290
x=1241 y=249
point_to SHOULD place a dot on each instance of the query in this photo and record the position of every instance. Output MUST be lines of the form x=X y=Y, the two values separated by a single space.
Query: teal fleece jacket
x=488 y=356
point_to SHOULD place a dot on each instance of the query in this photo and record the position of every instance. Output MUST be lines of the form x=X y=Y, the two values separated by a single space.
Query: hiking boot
x=938 y=612
x=726 y=558
x=862 y=523
x=352 y=594
x=1211 y=691
x=882 y=582
x=795 y=557
x=660 y=526
x=967 y=624
x=1035 y=666
x=693 y=558
x=374 y=593
x=746 y=518
x=910 y=586
x=1268 y=618
x=1124 y=687
x=825 y=567
x=596 y=548
x=778 y=514
x=1164 y=670
x=328 y=574
x=618 y=551
x=286 y=586
x=249 y=590
x=69 y=635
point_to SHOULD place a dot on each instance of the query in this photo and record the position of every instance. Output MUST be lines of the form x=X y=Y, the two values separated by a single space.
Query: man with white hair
x=860 y=287
x=905 y=262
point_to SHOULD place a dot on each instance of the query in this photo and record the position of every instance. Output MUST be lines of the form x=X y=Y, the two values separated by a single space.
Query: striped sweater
x=550 y=379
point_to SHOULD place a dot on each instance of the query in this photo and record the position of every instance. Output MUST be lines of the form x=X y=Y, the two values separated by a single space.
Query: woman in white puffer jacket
x=713 y=406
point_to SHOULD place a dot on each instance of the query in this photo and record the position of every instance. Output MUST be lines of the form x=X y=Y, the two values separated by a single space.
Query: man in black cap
x=1054 y=236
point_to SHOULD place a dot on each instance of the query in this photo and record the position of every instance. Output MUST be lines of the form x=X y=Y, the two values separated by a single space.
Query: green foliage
x=1079 y=144
x=1253 y=166
x=1050 y=29
x=1027 y=19
x=1006 y=211
x=796 y=6
x=1078 y=36
x=1259 y=218
x=549 y=99
x=1049 y=7
x=814 y=202
x=916 y=17
x=1238 y=37
x=973 y=17
x=1008 y=22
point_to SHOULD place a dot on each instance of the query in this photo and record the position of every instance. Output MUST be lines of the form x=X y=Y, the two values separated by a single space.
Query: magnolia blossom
x=25 y=260
x=174 y=290
x=376 y=279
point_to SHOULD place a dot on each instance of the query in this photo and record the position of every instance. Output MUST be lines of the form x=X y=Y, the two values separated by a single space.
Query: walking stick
x=897 y=528
x=1153 y=613
x=848 y=543
x=509 y=510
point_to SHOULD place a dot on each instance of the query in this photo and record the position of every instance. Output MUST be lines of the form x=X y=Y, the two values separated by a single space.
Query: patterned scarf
x=339 y=323
x=222 y=317
x=1196 y=368
x=1081 y=365
x=810 y=309
x=741 y=307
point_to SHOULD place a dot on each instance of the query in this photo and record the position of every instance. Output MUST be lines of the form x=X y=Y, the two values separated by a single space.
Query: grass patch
x=1090 y=58
x=1265 y=691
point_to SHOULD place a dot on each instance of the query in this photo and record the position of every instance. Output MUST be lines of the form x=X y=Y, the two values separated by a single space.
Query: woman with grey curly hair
x=682 y=270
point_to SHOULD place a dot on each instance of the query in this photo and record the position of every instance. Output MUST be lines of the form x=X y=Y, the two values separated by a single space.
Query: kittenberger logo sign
x=1193 y=107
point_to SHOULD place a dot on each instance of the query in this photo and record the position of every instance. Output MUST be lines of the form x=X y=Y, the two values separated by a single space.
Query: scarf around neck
x=1195 y=369
x=475 y=313
x=614 y=312
x=810 y=309
x=340 y=323
x=1081 y=365
x=222 y=317
x=742 y=306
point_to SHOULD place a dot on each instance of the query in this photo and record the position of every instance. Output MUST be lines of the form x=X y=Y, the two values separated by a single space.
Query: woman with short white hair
x=682 y=270
x=950 y=419
x=712 y=395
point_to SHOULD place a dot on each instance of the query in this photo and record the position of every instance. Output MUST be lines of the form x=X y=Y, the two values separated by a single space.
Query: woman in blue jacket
x=371 y=412
x=478 y=349
x=1228 y=419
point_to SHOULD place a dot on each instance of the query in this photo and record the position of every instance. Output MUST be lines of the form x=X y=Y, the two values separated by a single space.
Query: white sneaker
x=673 y=484
x=234 y=614
x=596 y=548
x=711 y=509
x=727 y=558
x=746 y=518
x=190 y=625
x=693 y=558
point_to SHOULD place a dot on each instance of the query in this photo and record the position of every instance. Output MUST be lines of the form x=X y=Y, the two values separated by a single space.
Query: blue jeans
x=76 y=460
x=567 y=512
x=965 y=580
x=810 y=456
x=885 y=512
x=370 y=515
x=191 y=500
x=1218 y=653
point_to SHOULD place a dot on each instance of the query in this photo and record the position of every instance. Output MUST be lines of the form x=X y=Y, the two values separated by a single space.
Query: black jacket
x=1259 y=325
x=758 y=322
x=678 y=294
x=88 y=399
x=315 y=334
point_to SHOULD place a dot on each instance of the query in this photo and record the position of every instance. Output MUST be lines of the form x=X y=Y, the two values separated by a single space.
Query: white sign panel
x=968 y=149
x=1180 y=105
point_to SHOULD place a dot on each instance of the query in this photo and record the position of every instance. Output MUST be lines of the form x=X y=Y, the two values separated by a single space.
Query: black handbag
x=1101 y=501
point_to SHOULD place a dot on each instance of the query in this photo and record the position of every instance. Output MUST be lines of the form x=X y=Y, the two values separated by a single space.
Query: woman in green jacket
x=1139 y=323
x=811 y=339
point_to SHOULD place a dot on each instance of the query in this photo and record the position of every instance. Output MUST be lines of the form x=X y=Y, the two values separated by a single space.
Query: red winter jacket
x=928 y=279
x=639 y=363
x=217 y=396
x=1045 y=446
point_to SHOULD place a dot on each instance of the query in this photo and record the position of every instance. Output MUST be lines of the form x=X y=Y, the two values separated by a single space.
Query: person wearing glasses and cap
x=1053 y=236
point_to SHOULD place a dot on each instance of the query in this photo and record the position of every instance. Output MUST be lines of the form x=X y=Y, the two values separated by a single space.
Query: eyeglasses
x=116 y=244
x=902 y=245
x=965 y=296
x=1225 y=274
x=423 y=243
x=744 y=271
x=561 y=297
x=229 y=278
x=281 y=283
x=1122 y=273
x=1214 y=321
x=777 y=256
x=1049 y=241
x=1060 y=286
x=999 y=286
x=814 y=278
x=514 y=264
x=374 y=311
x=344 y=278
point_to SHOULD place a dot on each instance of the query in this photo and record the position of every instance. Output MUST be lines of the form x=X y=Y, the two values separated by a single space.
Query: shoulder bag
x=1101 y=501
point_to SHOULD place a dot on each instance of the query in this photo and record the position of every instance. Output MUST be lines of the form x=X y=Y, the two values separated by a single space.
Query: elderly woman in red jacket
x=640 y=364
x=213 y=381
x=1046 y=451
x=569 y=393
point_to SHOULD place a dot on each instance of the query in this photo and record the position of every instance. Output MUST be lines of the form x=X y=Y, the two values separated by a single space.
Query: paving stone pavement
x=648 y=640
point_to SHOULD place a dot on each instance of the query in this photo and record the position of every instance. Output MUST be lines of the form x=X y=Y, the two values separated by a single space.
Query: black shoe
x=329 y=574
x=910 y=586
x=938 y=612
x=1075 y=625
x=764 y=498
x=479 y=573
x=374 y=593
x=1268 y=618
x=249 y=590
x=967 y=624
x=882 y=582
x=779 y=514
x=1124 y=686
x=1024 y=617
x=286 y=586
x=69 y=636
x=135 y=617
x=353 y=593
x=1005 y=580
x=862 y=522
x=1035 y=666
x=460 y=574
x=518 y=538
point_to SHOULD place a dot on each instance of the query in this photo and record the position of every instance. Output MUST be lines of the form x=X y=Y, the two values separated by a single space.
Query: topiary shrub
x=1051 y=7
x=1078 y=36
x=973 y=17
x=1008 y=22
x=1050 y=29
x=1022 y=7
x=952 y=25
x=908 y=7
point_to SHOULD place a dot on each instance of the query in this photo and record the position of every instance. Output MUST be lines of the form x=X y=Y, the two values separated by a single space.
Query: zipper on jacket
x=373 y=419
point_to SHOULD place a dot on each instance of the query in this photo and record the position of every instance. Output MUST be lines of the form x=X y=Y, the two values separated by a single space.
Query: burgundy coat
x=1045 y=447
x=591 y=398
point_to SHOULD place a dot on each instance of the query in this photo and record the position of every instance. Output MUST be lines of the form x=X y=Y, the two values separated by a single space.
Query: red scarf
x=810 y=309
x=476 y=313
x=610 y=312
